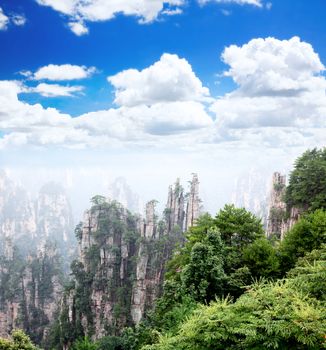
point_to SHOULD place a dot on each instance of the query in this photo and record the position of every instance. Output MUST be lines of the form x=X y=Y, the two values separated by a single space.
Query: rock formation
x=17 y=213
x=193 y=203
x=121 y=262
x=280 y=218
x=29 y=223
x=36 y=240
x=30 y=291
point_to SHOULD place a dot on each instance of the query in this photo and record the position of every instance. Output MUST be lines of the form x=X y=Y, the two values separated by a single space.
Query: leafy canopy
x=307 y=183
x=19 y=341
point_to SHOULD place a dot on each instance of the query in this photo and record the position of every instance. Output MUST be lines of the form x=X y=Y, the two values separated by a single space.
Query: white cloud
x=257 y=3
x=4 y=20
x=101 y=10
x=279 y=103
x=56 y=90
x=78 y=28
x=142 y=122
x=18 y=20
x=15 y=19
x=163 y=115
x=172 y=12
x=63 y=72
x=279 y=85
x=169 y=79
x=17 y=116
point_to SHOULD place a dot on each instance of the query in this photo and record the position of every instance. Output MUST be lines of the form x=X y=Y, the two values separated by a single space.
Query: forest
x=228 y=286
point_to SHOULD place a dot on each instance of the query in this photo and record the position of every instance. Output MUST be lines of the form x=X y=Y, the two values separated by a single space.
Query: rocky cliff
x=29 y=222
x=36 y=239
x=121 y=262
x=30 y=290
x=280 y=218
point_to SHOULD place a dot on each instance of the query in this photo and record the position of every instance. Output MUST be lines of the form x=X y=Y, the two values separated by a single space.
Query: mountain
x=37 y=243
x=121 y=262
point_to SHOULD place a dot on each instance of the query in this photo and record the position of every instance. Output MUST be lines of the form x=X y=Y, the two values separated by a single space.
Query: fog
x=84 y=174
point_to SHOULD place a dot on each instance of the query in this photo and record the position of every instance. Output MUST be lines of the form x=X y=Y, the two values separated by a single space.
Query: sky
x=153 y=90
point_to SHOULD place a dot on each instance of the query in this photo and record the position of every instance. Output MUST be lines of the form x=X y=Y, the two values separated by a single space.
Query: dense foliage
x=307 y=185
x=307 y=234
x=19 y=341
x=275 y=315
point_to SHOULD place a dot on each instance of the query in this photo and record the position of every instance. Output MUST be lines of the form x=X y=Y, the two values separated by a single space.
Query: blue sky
x=199 y=34
x=155 y=89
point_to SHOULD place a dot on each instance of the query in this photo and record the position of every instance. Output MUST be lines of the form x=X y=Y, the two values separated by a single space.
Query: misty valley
x=246 y=277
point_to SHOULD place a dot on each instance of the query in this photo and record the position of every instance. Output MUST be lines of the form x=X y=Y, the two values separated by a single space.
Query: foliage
x=84 y=344
x=238 y=226
x=19 y=341
x=307 y=183
x=309 y=275
x=203 y=277
x=278 y=315
x=278 y=187
x=261 y=259
x=307 y=234
x=98 y=200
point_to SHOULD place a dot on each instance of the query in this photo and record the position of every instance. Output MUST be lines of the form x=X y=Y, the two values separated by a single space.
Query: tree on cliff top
x=19 y=341
x=307 y=183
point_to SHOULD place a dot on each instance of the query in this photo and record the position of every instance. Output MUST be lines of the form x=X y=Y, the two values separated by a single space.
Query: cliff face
x=29 y=222
x=17 y=213
x=279 y=219
x=119 y=270
x=36 y=239
x=29 y=292
x=251 y=192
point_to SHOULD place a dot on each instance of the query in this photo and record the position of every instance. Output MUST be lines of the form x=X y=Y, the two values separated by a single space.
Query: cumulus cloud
x=80 y=11
x=15 y=19
x=169 y=79
x=279 y=102
x=17 y=116
x=78 y=28
x=257 y=3
x=151 y=117
x=279 y=85
x=134 y=123
x=56 y=90
x=61 y=72
x=4 y=20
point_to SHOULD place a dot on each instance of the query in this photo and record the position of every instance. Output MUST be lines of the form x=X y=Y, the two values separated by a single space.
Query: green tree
x=307 y=183
x=261 y=259
x=19 y=341
x=203 y=277
x=307 y=234
x=84 y=344
x=281 y=315
x=181 y=256
x=98 y=200
x=238 y=228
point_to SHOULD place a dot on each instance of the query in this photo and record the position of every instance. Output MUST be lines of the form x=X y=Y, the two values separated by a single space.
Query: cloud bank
x=79 y=12
x=279 y=102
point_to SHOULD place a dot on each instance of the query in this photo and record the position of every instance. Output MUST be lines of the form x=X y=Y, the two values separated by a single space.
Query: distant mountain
x=251 y=191
x=120 y=191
